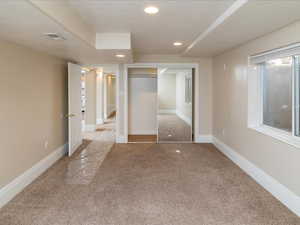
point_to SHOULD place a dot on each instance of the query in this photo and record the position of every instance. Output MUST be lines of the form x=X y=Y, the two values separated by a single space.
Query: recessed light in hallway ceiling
x=120 y=56
x=177 y=43
x=151 y=10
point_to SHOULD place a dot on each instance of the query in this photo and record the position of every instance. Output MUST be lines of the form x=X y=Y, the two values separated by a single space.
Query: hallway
x=105 y=132
x=139 y=184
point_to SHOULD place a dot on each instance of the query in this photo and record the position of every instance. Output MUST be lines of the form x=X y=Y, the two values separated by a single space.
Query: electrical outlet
x=225 y=66
x=46 y=144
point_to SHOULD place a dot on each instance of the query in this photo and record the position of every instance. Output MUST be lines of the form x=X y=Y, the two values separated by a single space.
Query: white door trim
x=166 y=65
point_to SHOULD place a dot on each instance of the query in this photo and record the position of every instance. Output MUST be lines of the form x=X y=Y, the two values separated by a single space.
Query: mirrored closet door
x=175 y=105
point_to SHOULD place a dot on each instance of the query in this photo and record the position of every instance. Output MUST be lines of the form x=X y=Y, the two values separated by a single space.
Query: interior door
x=74 y=112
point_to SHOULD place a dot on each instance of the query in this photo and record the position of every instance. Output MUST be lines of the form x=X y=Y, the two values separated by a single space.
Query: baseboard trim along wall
x=143 y=132
x=167 y=111
x=9 y=191
x=100 y=121
x=279 y=191
x=203 y=139
x=90 y=127
x=121 y=139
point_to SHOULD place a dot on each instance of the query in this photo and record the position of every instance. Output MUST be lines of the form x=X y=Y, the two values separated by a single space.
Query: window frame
x=256 y=93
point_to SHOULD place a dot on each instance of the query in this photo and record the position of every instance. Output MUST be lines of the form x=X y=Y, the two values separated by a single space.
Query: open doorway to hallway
x=99 y=104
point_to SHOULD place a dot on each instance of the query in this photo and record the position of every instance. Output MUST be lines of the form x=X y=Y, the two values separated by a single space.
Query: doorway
x=167 y=116
x=142 y=102
x=92 y=104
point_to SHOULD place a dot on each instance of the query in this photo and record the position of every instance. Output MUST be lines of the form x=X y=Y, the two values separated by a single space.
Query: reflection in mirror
x=175 y=105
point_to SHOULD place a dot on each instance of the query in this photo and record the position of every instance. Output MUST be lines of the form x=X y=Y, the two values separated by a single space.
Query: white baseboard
x=143 y=132
x=282 y=193
x=167 y=111
x=121 y=139
x=100 y=121
x=9 y=191
x=203 y=139
x=184 y=117
x=90 y=127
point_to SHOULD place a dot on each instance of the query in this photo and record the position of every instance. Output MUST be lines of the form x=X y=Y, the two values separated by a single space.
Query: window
x=274 y=93
x=277 y=93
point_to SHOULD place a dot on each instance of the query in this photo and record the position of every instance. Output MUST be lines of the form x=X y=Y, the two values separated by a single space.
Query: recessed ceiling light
x=120 y=55
x=151 y=10
x=177 y=43
x=54 y=36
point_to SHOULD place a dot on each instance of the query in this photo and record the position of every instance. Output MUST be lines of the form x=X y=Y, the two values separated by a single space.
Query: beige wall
x=166 y=91
x=90 y=91
x=33 y=96
x=276 y=158
x=184 y=110
x=111 y=94
x=142 y=118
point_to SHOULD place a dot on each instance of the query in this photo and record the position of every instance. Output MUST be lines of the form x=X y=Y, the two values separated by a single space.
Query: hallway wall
x=90 y=84
x=111 y=95
x=33 y=96
x=183 y=110
x=166 y=91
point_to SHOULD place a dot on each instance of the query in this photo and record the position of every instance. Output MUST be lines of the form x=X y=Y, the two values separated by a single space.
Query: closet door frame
x=195 y=66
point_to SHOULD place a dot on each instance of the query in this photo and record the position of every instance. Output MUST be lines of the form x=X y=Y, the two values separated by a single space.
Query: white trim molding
x=204 y=139
x=281 y=52
x=279 y=191
x=167 y=111
x=100 y=121
x=280 y=135
x=143 y=132
x=256 y=70
x=158 y=66
x=9 y=191
x=121 y=139
x=90 y=127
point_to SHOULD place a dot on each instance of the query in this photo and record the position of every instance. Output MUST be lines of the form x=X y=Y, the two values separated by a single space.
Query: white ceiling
x=181 y=20
x=23 y=24
x=252 y=20
x=152 y=34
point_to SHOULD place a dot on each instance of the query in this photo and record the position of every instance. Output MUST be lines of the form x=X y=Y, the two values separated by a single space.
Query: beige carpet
x=173 y=129
x=148 y=184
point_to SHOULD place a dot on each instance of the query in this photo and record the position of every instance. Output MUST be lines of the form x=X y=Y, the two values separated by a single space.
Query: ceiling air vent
x=54 y=36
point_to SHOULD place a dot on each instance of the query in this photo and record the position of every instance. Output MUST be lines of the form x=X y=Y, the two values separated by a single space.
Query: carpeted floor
x=147 y=184
x=173 y=129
